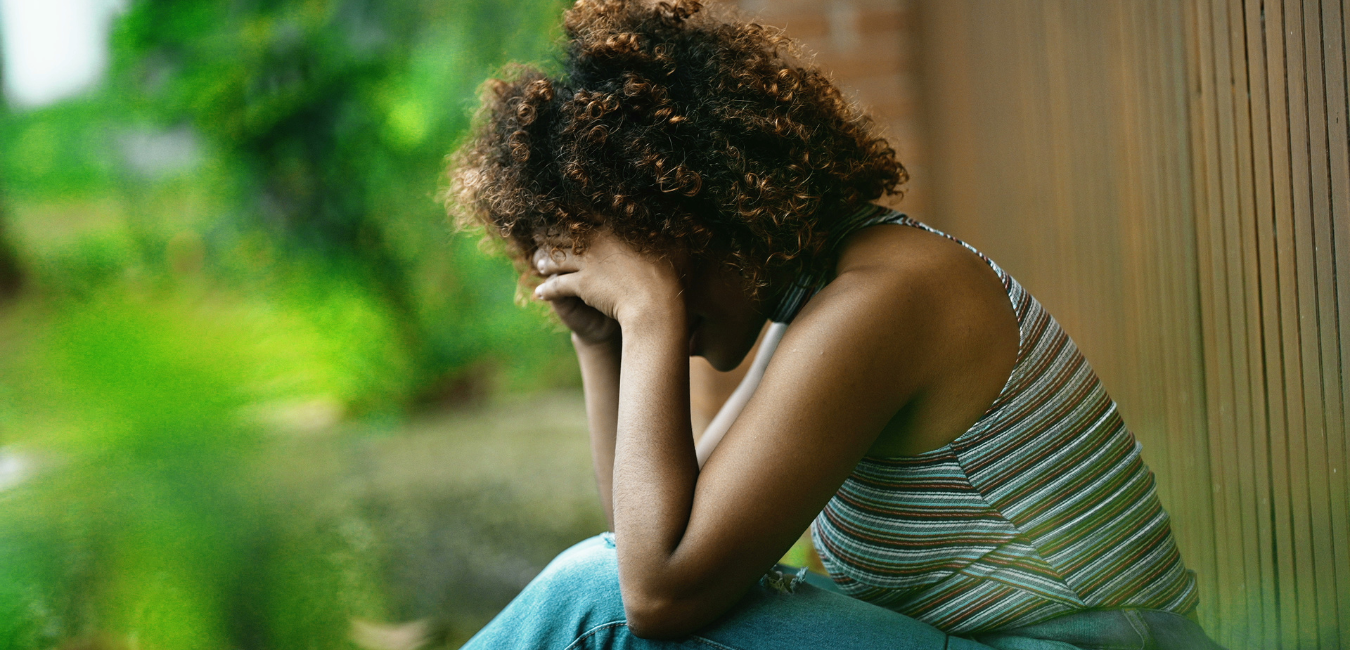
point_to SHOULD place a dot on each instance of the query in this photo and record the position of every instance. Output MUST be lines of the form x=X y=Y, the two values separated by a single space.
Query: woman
x=967 y=481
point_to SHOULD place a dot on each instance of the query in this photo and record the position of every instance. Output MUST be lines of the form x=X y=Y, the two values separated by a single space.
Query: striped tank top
x=1041 y=508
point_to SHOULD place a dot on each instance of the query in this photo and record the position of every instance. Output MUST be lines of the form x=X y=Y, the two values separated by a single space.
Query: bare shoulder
x=925 y=318
x=915 y=258
x=899 y=283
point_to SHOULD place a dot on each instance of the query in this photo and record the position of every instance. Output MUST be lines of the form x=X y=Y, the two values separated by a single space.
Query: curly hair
x=673 y=129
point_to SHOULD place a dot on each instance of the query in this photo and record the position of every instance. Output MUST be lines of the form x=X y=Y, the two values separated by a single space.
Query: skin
x=898 y=355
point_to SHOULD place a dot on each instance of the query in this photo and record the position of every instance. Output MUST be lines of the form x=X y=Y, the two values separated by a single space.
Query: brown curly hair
x=673 y=129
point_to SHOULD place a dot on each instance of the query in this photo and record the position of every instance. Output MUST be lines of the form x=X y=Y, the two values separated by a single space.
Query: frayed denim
x=574 y=604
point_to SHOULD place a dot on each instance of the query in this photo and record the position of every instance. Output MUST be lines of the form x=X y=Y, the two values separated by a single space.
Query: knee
x=577 y=592
x=585 y=577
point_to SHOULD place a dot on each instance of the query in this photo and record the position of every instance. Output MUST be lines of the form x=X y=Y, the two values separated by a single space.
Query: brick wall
x=869 y=48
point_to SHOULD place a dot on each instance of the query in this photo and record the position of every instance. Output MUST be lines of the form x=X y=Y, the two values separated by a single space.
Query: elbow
x=660 y=616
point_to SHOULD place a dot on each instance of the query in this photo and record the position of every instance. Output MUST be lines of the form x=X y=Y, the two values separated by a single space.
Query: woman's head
x=677 y=132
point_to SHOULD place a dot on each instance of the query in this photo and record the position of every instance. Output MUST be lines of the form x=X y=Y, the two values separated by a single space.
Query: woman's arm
x=600 y=379
x=598 y=344
x=689 y=543
x=655 y=466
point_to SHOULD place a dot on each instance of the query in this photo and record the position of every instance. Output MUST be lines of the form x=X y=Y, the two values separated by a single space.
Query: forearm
x=655 y=467
x=600 y=379
x=644 y=456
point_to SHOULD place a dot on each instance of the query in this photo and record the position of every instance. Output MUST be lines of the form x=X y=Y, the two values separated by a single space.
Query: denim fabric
x=574 y=604
x=1107 y=629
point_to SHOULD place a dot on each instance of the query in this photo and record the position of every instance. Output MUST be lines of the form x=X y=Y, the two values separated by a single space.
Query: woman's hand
x=588 y=325
x=623 y=308
x=610 y=283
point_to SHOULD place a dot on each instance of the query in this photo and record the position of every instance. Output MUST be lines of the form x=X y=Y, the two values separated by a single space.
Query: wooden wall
x=1171 y=179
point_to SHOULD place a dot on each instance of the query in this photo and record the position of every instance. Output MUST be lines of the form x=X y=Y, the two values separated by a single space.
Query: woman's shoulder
x=909 y=267
x=925 y=307
x=894 y=282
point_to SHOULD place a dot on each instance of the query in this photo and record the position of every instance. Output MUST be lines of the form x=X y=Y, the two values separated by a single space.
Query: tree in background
x=11 y=279
x=11 y=276
x=339 y=113
x=178 y=323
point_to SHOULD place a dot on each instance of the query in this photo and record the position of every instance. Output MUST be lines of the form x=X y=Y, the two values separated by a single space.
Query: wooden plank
x=1271 y=187
x=1245 y=242
x=1332 y=339
x=1127 y=67
x=1060 y=142
x=1158 y=335
x=1315 y=189
x=1115 y=324
x=1166 y=325
x=945 y=64
x=1030 y=195
x=1232 y=537
x=1248 y=623
x=1176 y=316
x=1137 y=187
x=1187 y=400
x=1291 y=232
x=1222 y=619
x=1342 y=237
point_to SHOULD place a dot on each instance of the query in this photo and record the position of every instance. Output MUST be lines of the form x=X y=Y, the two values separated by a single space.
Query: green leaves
x=187 y=317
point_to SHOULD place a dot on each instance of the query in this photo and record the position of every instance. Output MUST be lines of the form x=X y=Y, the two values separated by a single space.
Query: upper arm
x=852 y=359
x=913 y=323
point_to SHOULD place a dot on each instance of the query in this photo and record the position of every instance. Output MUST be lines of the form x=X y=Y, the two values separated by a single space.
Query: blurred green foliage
x=234 y=240
x=314 y=134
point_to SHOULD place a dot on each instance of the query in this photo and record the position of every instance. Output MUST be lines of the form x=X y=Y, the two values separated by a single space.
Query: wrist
x=655 y=325
x=656 y=311
x=608 y=345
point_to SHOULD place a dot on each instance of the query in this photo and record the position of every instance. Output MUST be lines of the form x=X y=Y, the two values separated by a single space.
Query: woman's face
x=724 y=320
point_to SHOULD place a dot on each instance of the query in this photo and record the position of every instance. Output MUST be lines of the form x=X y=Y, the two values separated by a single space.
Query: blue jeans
x=574 y=604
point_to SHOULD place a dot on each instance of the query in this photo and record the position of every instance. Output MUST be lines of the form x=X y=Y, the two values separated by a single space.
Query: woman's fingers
x=557 y=287
x=549 y=261
x=566 y=308
x=585 y=321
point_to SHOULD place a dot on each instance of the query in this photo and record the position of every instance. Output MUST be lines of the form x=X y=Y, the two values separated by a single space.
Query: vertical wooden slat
x=1288 y=137
x=1311 y=198
x=1341 y=231
x=1189 y=160
x=1240 y=574
x=1332 y=339
x=1340 y=165
x=946 y=82
x=1264 y=286
x=1145 y=238
x=1185 y=396
x=1228 y=624
x=1176 y=396
x=1059 y=141
x=1235 y=138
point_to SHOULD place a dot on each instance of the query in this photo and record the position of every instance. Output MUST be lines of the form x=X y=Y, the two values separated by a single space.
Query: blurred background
x=253 y=390
x=255 y=393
